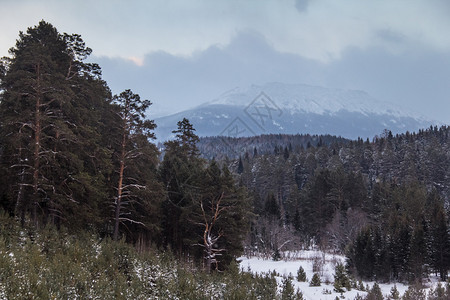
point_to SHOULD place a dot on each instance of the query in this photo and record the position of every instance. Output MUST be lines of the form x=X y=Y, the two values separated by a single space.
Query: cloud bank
x=417 y=78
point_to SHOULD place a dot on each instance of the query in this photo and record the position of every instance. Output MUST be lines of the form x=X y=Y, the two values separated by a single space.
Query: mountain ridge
x=275 y=108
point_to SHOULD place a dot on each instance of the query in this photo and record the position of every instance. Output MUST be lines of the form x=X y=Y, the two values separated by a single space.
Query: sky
x=181 y=53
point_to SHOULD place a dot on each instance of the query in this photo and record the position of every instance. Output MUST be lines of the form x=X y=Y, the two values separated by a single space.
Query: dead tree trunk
x=209 y=238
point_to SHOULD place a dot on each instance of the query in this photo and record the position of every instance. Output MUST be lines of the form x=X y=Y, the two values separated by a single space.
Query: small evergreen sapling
x=315 y=280
x=276 y=256
x=301 y=275
x=415 y=292
x=287 y=291
x=341 y=279
x=394 y=293
x=375 y=293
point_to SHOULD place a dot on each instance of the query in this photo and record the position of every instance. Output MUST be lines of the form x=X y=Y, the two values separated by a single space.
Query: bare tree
x=344 y=229
x=273 y=238
x=210 y=238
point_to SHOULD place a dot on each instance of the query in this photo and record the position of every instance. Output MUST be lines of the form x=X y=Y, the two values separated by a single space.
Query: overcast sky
x=180 y=53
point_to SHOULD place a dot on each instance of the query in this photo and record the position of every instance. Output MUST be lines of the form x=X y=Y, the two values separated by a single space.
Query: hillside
x=277 y=108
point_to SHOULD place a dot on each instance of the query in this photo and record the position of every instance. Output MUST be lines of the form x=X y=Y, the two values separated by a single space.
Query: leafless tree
x=210 y=238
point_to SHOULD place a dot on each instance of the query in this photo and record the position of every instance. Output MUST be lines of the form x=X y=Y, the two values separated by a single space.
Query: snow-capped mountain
x=291 y=109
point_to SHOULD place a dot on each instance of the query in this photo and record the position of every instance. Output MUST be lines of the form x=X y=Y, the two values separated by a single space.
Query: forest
x=77 y=161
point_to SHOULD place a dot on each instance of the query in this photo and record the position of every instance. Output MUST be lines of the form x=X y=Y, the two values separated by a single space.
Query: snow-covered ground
x=307 y=259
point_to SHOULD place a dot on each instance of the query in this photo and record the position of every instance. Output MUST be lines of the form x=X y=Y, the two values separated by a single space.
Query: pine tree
x=50 y=128
x=180 y=172
x=438 y=293
x=134 y=135
x=186 y=137
x=225 y=212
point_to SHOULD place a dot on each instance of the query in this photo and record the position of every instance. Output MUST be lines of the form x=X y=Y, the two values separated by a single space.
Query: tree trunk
x=37 y=145
x=119 y=188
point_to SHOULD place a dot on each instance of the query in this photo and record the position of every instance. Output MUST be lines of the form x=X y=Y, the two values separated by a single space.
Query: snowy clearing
x=324 y=263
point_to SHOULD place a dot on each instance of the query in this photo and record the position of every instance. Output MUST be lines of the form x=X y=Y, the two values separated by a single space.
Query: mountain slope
x=292 y=109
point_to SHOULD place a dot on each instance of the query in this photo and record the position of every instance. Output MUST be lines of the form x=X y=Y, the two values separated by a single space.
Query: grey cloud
x=390 y=36
x=302 y=5
x=182 y=82
x=417 y=79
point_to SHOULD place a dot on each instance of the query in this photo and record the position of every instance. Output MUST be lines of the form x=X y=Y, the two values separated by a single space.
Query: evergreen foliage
x=301 y=275
x=374 y=293
x=341 y=279
x=439 y=292
x=53 y=264
x=74 y=158
x=52 y=108
x=415 y=292
x=131 y=149
x=315 y=280
x=394 y=293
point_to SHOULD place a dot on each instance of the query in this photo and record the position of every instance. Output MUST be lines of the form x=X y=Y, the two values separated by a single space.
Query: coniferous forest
x=83 y=181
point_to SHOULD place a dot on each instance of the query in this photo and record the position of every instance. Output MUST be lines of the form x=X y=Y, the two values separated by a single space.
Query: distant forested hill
x=374 y=199
x=221 y=147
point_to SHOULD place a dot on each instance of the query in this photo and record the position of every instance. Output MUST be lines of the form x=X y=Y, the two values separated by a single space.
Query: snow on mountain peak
x=294 y=98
